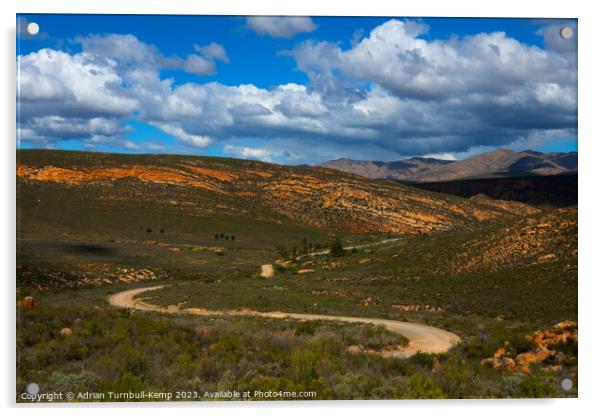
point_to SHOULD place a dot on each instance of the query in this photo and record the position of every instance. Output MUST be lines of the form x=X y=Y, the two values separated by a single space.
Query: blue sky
x=298 y=90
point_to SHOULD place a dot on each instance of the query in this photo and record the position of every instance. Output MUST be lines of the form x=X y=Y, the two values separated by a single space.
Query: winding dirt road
x=421 y=337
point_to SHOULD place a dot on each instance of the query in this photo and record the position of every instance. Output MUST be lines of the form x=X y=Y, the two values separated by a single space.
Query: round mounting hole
x=33 y=28
x=566 y=32
x=566 y=384
x=33 y=388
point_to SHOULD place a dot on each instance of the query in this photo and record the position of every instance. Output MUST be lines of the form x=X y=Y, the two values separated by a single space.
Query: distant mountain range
x=499 y=163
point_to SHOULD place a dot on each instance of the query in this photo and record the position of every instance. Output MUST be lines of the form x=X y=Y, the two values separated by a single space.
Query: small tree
x=282 y=251
x=149 y=230
x=216 y=236
x=232 y=237
x=336 y=247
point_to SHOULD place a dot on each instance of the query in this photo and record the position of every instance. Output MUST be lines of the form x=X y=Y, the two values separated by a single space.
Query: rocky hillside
x=499 y=163
x=207 y=187
x=539 y=239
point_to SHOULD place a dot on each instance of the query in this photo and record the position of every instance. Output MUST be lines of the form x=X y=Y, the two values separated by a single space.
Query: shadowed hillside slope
x=555 y=190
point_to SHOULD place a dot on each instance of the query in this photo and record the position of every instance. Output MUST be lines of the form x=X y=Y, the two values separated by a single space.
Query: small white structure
x=267 y=270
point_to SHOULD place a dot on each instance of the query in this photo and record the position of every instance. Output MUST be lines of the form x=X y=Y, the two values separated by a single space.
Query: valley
x=197 y=229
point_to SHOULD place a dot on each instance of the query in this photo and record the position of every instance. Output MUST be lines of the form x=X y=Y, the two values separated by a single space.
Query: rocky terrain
x=498 y=163
x=553 y=348
x=202 y=187
x=534 y=240
x=84 y=274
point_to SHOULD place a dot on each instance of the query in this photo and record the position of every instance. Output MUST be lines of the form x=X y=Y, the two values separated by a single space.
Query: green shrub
x=537 y=386
x=424 y=359
x=73 y=382
x=305 y=328
x=568 y=348
x=422 y=387
x=303 y=366
x=134 y=362
x=336 y=248
x=127 y=382
x=512 y=384
x=351 y=385
x=520 y=344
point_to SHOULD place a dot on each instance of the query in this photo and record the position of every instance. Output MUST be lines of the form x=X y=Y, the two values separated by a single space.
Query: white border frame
x=590 y=149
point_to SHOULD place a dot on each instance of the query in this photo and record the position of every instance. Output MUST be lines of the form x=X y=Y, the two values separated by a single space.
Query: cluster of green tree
x=336 y=247
x=223 y=236
x=306 y=247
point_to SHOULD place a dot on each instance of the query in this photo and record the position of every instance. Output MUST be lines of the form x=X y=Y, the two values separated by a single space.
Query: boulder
x=508 y=363
x=544 y=351
x=524 y=360
x=541 y=355
x=354 y=349
x=499 y=353
x=565 y=324
x=498 y=363
x=487 y=361
x=66 y=332
x=547 y=257
x=27 y=302
x=267 y=270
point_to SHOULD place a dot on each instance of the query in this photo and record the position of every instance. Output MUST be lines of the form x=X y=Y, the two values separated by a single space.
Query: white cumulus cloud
x=256 y=153
x=392 y=92
x=280 y=26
